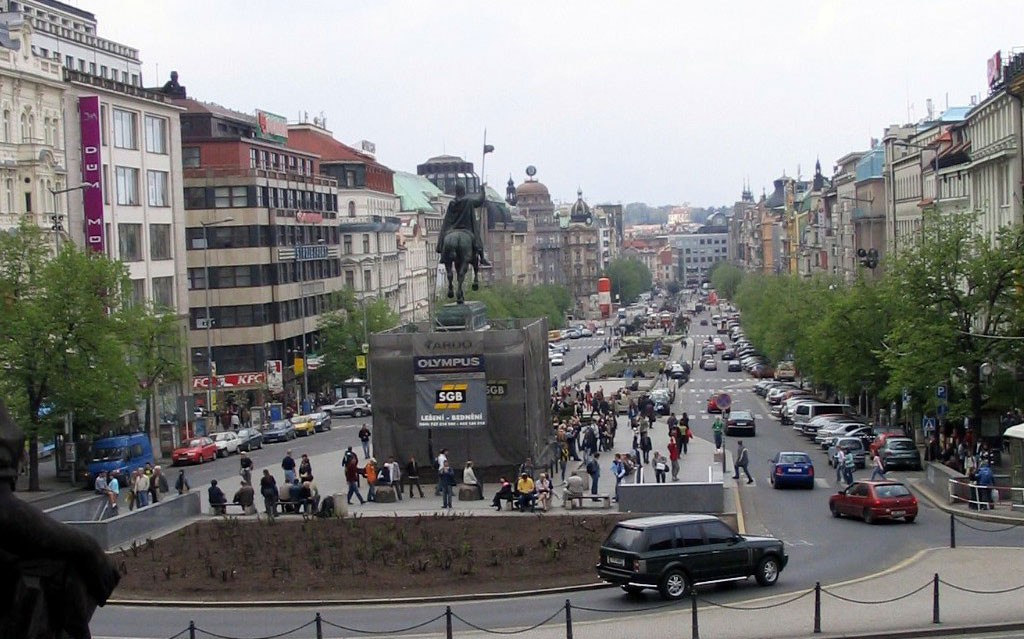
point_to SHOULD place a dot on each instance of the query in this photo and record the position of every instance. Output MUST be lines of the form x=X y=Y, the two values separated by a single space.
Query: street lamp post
x=209 y=320
x=57 y=219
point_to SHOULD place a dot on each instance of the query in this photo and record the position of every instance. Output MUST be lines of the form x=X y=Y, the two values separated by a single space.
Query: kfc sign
x=230 y=380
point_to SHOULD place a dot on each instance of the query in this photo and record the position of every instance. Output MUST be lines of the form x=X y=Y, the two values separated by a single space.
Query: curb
x=306 y=603
x=937 y=630
x=941 y=504
x=37 y=496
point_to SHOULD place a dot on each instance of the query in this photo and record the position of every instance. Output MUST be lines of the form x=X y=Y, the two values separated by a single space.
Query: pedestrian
x=305 y=468
x=716 y=430
x=245 y=497
x=840 y=462
x=446 y=479
x=352 y=477
x=412 y=475
x=217 y=498
x=593 y=468
x=646 y=445
x=619 y=472
x=878 y=469
x=394 y=476
x=349 y=456
x=673 y=457
x=504 y=493
x=544 y=491
x=442 y=457
x=742 y=460
x=370 y=472
x=142 y=490
x=181 y=483
x=157 y=484
x=469 y=478
x=288 y=466
x=364 y=438
x=268 y=489
x=660 y=468
x=848 y=463
x=985 y=481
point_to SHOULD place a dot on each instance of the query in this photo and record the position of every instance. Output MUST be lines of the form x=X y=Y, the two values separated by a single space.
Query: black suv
x=673 y=552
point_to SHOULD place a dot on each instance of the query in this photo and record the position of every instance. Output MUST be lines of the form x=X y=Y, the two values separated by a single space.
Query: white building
x=994 y=170
x=67 y=35
x=697 y=253
x=32 y=144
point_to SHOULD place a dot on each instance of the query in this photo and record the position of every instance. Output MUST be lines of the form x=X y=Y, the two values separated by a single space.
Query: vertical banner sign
x=451 y=384
x=275 y=375
x=92 y=198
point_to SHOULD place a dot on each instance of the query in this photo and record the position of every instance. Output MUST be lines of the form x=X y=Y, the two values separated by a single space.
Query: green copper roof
x=415 y=191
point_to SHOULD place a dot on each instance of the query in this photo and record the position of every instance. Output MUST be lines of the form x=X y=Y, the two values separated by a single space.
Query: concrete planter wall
x=133 y=524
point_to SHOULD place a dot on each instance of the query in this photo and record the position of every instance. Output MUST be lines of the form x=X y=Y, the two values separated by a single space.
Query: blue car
x=279 y=431
x=792 y=469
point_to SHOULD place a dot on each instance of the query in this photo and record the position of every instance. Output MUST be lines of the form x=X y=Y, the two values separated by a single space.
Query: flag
x=488 y=148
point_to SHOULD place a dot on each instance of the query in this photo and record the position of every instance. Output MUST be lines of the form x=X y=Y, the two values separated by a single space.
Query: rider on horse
x=460 y=216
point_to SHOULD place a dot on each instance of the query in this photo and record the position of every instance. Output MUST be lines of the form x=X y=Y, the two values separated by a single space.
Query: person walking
x=848 y=463
x=840 y=463
x=660 y=468
x=878 y=468
x=673 y=457
x=157 y=485
x=364 y=438
x=442 y=457
x=446 y=479
x=412 y=476
x=619 y=472
x=288 y=466
x=181 y=483
x=352 y=478
x=594 y=470
x=395 y=476
x=742 y=460
x=370 y=472
x=716 y=430
x=245 y=466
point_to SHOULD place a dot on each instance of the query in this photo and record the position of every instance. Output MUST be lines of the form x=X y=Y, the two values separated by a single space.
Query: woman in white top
x=469 y=479
x=544 y=491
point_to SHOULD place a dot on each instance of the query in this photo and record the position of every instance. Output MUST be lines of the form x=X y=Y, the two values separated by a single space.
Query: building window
x=127 y=185
x=351 y=208
x=163 y=292
x=124 y=129
x=156 y=188
x=130 y=242
x=195 y=197
x=7 y=125
x=103 y=124
x=253 y=158
x=367 y=280
x=160 y=243
x=190 y=156
x=138 y=292
x=103 y=70
x=92 y=68
x=156 y=135
x=347 y=245
x=366 y=242
x=350 y=279
x=69 y=62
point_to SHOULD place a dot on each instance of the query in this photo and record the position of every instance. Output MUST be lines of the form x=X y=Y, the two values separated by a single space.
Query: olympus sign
x=448 y=364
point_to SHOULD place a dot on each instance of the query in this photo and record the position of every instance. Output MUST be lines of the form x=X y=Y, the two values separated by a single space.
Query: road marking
x=821 y=483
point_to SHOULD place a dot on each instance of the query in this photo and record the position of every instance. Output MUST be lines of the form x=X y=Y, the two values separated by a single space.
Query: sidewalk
x=1002 y=515
x=879 y=605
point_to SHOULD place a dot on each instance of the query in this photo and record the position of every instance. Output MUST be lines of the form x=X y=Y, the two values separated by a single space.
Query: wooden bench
x=572 y=502
x=225 y=509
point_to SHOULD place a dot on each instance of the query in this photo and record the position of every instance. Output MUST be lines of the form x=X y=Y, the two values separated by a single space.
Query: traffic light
x=868 y=258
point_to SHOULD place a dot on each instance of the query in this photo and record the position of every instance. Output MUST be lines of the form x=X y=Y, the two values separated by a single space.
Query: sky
x=656 y=102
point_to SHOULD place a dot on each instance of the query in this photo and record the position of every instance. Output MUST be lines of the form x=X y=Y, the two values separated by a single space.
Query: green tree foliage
x=725 y=278
x=343 y=333
x=957 y=294
x=505 y=300
x=66 y=330
x=629 y=278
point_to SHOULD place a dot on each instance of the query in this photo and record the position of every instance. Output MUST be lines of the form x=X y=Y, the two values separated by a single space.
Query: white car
x=586 y=332
x=556 y=359
x=227 y=443
x=599 y=331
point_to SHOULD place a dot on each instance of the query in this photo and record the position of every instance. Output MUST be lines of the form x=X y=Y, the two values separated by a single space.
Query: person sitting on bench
x=504 y=493
x=245 y=497
x=574 y=486
x=217 y=498
x=526 y=492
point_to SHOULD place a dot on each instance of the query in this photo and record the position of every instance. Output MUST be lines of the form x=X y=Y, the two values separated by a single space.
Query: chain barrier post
x=817 y=607
x=319 y=627
x=935 y=598
x=568 y=620
x=695 y=629
x=952 y=531
x=191 y=630
x=448 y=622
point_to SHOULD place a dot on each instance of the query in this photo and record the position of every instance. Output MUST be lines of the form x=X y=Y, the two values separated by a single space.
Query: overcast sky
x=660 y=102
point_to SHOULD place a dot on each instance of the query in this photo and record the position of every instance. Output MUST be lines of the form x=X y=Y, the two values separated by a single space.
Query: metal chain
x=280 y=634
x=382 y=632
x=509 y=632
x=880 y=601
x=962 y=522
x=179 y=634
x=765 y=607
x=630 y=610
x=981 y=592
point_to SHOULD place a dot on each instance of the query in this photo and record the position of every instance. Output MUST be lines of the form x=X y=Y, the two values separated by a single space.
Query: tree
x=155 y=349
x=344 y=330
x=726 y=278
x=62 y=337
x=958 y=300
x=629 y=278
x=503 y=299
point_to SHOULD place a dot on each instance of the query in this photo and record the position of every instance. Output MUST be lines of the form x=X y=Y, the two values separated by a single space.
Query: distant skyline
x=656 y=102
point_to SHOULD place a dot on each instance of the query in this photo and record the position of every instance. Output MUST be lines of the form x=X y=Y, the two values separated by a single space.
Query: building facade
x=422 y=207
x=262 y=252
x=545 y=249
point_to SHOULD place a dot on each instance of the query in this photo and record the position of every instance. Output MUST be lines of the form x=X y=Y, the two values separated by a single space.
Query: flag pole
x=483 y=161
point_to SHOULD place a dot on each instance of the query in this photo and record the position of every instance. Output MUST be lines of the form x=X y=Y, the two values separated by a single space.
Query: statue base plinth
x=470 y=316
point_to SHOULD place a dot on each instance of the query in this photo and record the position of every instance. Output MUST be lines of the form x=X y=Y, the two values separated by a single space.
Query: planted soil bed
x=364 y=557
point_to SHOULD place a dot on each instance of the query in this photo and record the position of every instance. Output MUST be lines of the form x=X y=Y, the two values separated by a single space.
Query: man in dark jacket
x=268 y=489
x=245 y=497
x=217 y=498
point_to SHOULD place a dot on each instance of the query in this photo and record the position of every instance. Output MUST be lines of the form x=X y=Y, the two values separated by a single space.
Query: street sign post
x=940 y=391
x=942 y=410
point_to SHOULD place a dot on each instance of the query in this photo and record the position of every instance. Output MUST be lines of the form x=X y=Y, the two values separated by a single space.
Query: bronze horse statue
x=457 y=255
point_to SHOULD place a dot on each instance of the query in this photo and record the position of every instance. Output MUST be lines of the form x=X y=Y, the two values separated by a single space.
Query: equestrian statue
x=459 y=241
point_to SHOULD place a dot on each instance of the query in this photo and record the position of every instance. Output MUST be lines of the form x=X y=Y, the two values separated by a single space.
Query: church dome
x=531 y=187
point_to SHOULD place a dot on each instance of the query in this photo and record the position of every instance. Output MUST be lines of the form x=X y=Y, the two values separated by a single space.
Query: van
x=123 y=453
x=785 y=372
x=804 y=413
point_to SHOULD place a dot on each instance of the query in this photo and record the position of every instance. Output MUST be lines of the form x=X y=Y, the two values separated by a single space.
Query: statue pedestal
x=470 y=316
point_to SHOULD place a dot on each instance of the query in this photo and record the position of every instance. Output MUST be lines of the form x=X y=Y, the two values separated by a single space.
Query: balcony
x=219 y=171
x=78 y=77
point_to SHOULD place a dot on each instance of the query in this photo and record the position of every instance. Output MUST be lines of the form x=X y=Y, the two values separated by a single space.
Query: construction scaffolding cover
x=411 y=361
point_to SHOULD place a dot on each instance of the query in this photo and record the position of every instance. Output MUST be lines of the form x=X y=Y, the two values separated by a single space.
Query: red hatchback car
x=194 y=451
x=873 y=500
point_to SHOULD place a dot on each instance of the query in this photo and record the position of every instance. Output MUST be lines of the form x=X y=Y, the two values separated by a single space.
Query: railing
x=985 y=497
x=247 y=172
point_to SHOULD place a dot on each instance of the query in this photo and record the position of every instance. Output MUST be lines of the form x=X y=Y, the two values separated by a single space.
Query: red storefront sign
x=92 y=198
x=230 y=380
x=309 y=217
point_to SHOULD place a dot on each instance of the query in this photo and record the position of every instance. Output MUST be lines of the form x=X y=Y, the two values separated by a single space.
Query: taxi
x=305 y=425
